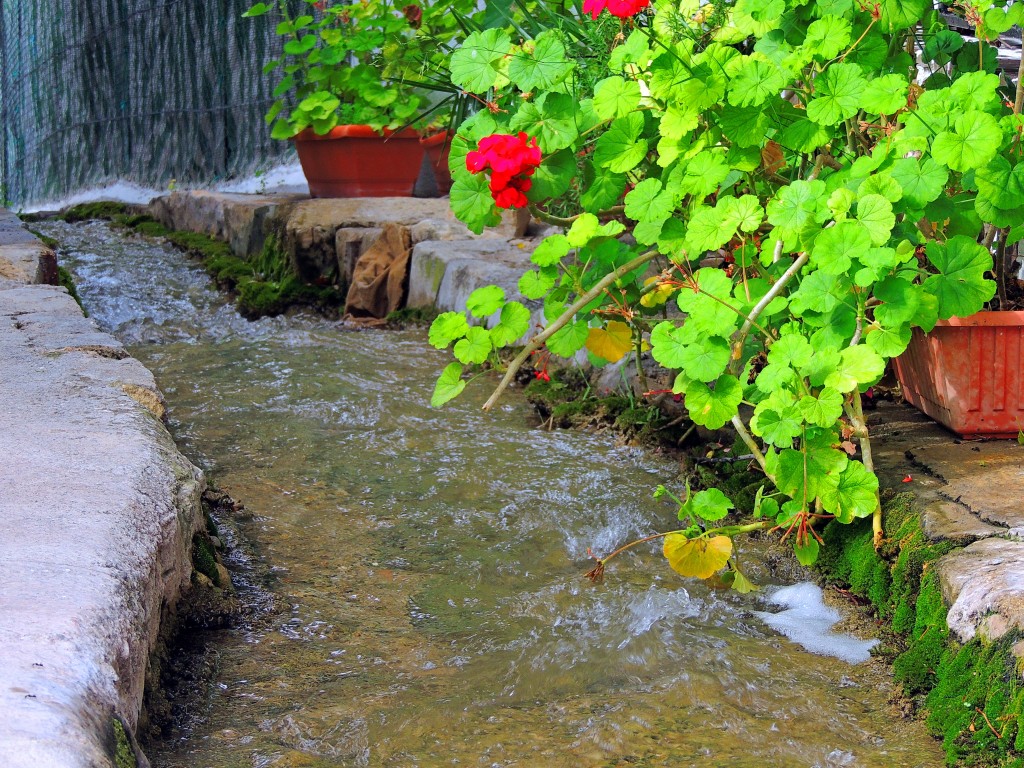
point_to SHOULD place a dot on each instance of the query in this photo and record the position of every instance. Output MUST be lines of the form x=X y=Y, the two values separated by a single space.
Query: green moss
x=203 y=558
x=103 y=209
x=411 y=317
x=65 y=279
x=49 y=242
x=124 y=755
x=959 y=685
x=975 y=705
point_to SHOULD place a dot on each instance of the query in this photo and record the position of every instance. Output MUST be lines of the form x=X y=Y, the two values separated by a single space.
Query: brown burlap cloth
x=380 y=277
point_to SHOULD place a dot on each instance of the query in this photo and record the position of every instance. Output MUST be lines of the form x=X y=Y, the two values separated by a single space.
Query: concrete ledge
x=97 y=513
x=23 y=258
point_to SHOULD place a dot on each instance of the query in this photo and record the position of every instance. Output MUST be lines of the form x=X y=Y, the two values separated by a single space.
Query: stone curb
x=97 y=513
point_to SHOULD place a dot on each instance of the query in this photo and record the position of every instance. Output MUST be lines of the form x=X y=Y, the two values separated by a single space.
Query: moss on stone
x=102 y=209
x=411 y=317
x=204 y=559
x=65 y=279
x=959 y=685
x=124 y=755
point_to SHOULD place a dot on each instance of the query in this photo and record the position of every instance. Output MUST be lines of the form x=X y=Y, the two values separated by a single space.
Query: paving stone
x=97 y=513
x=983 y=584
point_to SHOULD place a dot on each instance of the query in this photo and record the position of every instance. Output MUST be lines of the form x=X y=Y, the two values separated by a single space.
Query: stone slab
x=97 y=512
x=469 y=262
x=240 y=220
x=983 y=584
x=23 y=258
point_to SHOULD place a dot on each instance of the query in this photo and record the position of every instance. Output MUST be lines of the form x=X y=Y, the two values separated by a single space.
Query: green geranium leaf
x=485 y=301
x=603 y=189
x=777 y=423
x=797 y=205
x=569 y=340
x=823 y=410
x=513 y=325
x=621 y=148
x=449 y=385
x=836 y=247
x=616 y=97
x=713 y=408
x=755 y=79
x=477 y=64
x=743 y=126
x=474 y=348
x=806 y=549
x=446 y=328
x=553 y=176
x=875 y=213
x=792 y=350
x=1001 y=184
x=472 y=202
x=828 y=37
x=700 y=175
x=901 y=14
x=974 y=141
x=648 y=201
x=536 y=282
x=889 y=342
x=544 y=67
x=551 y=251
x=960 y=286
x=820 y=292
x=885 y=95
x=551 y=119
x=710 y=505
x=922 y=180
x=857 y=366
x=855 y=495
x=837 y=94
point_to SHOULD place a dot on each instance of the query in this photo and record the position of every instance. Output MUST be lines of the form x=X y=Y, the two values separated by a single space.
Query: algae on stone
x=972 y=693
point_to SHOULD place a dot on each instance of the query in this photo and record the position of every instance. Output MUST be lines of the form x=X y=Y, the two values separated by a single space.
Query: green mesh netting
x=142 y=90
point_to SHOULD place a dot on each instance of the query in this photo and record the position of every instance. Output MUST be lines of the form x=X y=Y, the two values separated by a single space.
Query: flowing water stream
x=425 y=566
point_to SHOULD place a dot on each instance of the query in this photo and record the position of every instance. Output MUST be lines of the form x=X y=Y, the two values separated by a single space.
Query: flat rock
x=983 y=584
x=947 y=520
x=986 y=477
x=97 y=512
x=240 y=220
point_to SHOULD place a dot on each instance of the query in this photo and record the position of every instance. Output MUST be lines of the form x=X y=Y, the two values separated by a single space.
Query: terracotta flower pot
x=968 y=373
x=437 y=147
x=356 y=161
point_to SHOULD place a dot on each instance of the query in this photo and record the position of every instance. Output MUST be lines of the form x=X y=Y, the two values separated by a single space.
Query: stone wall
x=97 y=514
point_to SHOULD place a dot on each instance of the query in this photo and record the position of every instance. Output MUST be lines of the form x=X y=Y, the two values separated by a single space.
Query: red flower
x=624 y=9
x=511 y=160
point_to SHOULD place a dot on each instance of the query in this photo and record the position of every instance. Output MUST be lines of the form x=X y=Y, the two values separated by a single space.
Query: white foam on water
x=119 y=191
x=287 y=178
x=807 y=621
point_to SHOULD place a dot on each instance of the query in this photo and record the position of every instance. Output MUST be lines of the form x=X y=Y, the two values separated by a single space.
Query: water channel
x=424 y=602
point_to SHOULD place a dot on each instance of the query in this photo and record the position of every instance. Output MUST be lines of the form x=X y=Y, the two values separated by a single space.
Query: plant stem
x=1018 y=100
x=741 y=430
x=740 y=337
x=560 y=221
x=538 y=341
x=725 y=530
x=869 y=464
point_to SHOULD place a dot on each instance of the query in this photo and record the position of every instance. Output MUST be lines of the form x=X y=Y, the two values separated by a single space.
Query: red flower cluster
x=624 y=9
x=512 y=160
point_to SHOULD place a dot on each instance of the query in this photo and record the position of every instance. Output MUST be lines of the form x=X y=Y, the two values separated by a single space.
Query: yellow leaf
x=659 y=295
x=700 y=557
x=611 y=342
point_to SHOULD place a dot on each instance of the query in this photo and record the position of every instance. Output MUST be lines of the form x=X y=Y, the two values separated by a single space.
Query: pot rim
x=355 y=132
x=985 y=319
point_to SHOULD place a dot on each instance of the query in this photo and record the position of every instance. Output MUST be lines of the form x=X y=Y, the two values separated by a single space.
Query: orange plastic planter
x=968 y=373
x=356 y=161
x=437 y=147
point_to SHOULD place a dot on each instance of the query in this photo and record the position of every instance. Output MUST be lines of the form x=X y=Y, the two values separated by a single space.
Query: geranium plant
x=332 y=66
x=771 y=194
